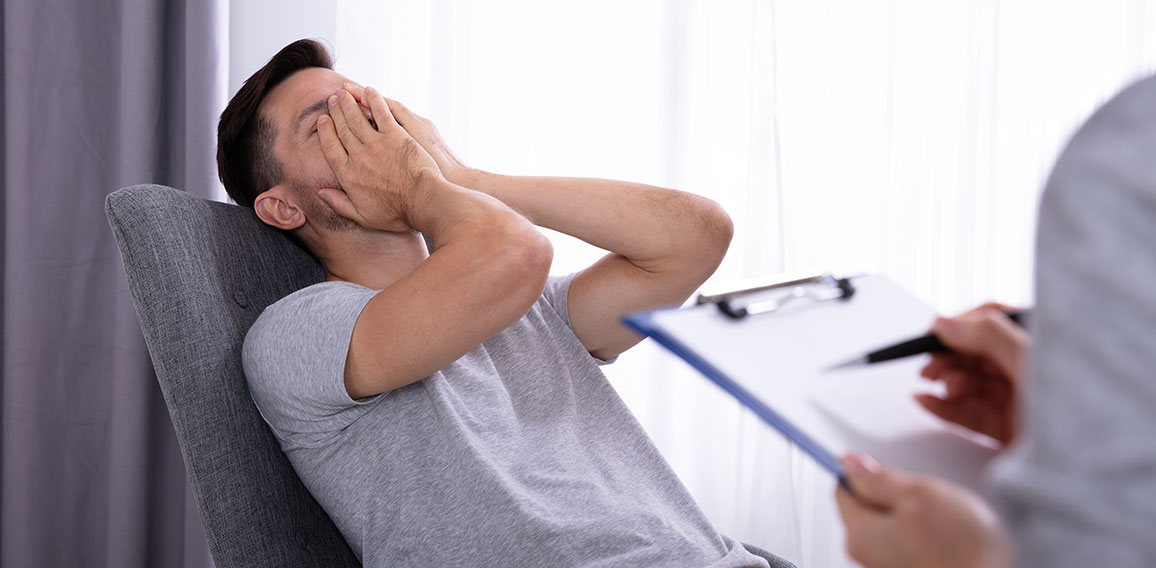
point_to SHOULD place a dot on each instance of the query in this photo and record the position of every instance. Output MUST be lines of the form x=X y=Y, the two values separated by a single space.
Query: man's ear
x=278 y=207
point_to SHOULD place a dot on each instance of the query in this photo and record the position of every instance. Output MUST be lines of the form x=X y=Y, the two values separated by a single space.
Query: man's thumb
x=339 y=202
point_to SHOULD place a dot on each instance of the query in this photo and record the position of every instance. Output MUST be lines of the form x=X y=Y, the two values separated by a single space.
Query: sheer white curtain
x=906 y=138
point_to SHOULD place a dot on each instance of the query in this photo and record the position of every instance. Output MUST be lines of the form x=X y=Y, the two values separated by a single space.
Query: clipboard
x=769 y=346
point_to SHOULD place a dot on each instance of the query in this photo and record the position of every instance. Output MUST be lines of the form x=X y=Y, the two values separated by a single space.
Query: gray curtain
x=98 y=94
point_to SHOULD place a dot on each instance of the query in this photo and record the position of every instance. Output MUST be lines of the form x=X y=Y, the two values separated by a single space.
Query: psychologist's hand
x=983 y=376
x=381 y=168
x=427 y=135
x=898 y=520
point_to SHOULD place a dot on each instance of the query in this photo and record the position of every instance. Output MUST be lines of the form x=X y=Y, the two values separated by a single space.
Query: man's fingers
x=873 y=483
x=331 y=146
x=340 y=203
x=354 y=116
x=341 y=124
x=401 y=112
x=357 y=91
x=380 y=110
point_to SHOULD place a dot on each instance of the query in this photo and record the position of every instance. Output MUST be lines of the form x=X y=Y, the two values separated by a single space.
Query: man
x=446 y=409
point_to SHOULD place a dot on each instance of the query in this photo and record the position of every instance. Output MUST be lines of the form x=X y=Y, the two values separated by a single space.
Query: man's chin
x=329 y=220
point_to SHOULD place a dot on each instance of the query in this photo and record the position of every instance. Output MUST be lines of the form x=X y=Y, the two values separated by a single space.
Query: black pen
x=929 y=343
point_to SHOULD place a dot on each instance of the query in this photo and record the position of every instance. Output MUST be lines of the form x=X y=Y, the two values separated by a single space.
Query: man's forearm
x=475 y=229
x=656 y=229
x=663 y=243
x=488 y=267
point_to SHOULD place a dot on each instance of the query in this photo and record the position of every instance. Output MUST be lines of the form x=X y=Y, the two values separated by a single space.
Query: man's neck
x=374 y=260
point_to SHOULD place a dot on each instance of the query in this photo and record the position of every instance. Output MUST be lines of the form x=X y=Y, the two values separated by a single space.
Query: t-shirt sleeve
x=557 y=296
x=294 y=360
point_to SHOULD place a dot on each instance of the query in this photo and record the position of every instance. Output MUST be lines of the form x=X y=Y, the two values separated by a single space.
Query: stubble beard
x=317 y=211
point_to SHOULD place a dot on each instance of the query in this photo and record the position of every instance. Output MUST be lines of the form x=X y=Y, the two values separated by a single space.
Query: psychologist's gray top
x=518 y=454
x=1080 y=487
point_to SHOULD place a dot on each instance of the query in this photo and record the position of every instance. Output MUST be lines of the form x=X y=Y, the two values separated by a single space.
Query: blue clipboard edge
x=643 y=323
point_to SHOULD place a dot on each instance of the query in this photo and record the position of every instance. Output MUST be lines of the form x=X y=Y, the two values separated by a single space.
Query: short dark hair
x=245 y=160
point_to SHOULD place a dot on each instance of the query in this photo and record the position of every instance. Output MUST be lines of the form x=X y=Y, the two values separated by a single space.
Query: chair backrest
x=200 y=272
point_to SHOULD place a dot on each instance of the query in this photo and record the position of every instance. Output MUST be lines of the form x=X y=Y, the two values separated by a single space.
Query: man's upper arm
x=294 y=359
x=614 y=287
x=601 y=295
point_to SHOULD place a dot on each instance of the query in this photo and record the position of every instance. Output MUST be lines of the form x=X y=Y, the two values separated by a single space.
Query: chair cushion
x=200 y=272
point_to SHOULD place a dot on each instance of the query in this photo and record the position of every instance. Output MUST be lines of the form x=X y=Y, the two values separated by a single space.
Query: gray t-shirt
x=518 y=454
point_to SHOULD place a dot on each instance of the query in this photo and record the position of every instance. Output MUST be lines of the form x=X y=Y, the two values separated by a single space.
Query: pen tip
x=847 y=364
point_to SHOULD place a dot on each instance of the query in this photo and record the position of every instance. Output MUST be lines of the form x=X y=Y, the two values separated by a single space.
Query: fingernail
x=323 y=119
x=860 y=464
x=948 y=327
x=332 y=100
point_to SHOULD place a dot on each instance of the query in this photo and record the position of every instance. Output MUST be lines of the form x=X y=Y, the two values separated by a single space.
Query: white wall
x=259 y=28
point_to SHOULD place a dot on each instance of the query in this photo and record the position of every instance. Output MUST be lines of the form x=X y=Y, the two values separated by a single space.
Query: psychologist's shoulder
x=1107 y=165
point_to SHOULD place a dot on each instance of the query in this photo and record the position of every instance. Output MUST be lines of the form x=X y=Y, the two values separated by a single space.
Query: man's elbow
x=535 y=255
x=716 y=231
x=723 y=228
x=525 y=262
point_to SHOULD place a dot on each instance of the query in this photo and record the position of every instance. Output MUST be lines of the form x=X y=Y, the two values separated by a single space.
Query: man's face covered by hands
x=347 y=160
x=293 y=108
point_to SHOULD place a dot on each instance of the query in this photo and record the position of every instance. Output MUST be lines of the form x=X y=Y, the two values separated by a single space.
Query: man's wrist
x=471 y=178
x=495 y=185
x=430 y=189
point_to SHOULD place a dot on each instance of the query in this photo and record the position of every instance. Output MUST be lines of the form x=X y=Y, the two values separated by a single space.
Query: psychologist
x=1075 y=404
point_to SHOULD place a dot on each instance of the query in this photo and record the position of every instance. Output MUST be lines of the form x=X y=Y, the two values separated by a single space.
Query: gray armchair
x=200 y=272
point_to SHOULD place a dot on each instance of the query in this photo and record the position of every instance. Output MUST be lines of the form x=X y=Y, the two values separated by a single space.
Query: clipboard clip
x=782 y=291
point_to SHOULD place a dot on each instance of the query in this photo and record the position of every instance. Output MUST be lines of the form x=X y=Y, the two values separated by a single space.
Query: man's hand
x=489 y=266
x=381 y=170
x=426 y=134
x=897 y=520
x=983 y=374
